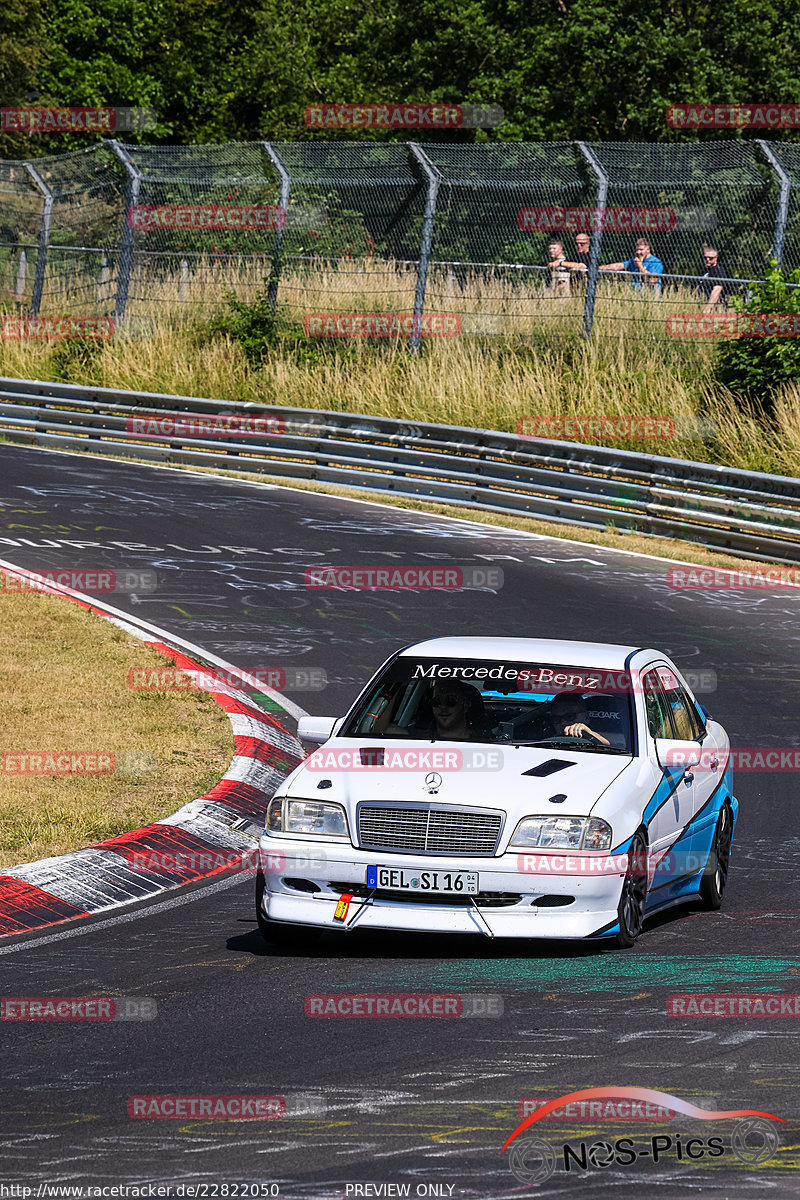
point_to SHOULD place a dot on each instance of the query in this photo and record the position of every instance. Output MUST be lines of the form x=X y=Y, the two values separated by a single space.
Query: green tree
x=24 y=47
x=755 y=365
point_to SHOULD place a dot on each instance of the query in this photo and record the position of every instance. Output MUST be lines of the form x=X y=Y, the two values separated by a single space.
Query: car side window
x=687 y=723
x=658 y=712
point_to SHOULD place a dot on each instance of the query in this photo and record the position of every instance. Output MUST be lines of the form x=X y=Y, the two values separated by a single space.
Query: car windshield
x=478 y=700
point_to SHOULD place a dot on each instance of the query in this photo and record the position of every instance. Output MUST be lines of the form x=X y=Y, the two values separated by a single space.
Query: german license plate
x=458 y=883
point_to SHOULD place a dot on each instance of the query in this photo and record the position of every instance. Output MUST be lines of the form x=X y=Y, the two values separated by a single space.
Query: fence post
x=783 y=202
x=102 y=292
x=44 y=239
x=277 y=242
x=22 y=271
x=126 y=247
x=597 y=238
x=434 y=179
x=184 y=284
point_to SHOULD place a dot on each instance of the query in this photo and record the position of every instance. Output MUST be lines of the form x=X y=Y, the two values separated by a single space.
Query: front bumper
x=303 y=884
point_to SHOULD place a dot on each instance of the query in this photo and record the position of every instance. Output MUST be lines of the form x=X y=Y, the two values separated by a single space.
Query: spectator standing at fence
x=581 y=252
x=579 y=266
x=713 y=292
x=644 y=266
x=558 y=282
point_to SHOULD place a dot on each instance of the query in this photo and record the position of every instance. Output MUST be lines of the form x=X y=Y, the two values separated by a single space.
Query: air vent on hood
x=549 y=767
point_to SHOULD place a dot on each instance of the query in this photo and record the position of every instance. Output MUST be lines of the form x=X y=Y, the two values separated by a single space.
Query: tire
x=715 y=876
x=281 y=933
x=633 y=900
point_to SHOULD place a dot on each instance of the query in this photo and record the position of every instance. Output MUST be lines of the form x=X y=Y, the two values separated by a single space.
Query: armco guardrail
x=745 y=513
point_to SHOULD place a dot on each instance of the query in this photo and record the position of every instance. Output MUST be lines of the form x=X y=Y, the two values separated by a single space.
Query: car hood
x=502 y=779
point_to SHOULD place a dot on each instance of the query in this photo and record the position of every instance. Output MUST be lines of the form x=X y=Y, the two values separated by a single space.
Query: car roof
x=600 y=655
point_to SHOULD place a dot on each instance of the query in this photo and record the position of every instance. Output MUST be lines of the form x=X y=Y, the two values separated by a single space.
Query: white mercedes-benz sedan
x=510 y=787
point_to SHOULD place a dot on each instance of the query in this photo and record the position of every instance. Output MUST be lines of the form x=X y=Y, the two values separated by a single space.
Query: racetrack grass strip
x=64 y=683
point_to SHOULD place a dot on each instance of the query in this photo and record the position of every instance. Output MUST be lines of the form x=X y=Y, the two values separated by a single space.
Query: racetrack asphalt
x=426 y=1103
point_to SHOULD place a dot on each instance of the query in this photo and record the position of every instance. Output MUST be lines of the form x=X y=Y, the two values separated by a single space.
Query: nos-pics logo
x=753 y=1140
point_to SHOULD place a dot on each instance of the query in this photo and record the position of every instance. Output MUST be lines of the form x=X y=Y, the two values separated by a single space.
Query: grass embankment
x=540 y=367
x=64 y=683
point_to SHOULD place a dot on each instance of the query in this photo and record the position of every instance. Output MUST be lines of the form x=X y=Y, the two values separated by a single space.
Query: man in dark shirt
x=582 y=250
x=579 y=265
x=713 y=292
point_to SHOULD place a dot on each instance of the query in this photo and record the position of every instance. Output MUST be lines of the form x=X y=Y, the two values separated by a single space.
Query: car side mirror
x=316 y=729
x=676 y=753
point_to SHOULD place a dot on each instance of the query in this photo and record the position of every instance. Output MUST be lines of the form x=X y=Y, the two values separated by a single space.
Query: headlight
x=310 y=817
x=563 y=833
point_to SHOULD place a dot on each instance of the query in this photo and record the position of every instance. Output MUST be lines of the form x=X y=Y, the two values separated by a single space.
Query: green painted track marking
x=595 y=973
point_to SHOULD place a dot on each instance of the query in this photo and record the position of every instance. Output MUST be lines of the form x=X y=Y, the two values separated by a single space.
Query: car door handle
x=688 y=778
x=714 y=764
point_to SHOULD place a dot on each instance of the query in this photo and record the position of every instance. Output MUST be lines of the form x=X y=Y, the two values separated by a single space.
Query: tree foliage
x=758 y=366
x=561 y=69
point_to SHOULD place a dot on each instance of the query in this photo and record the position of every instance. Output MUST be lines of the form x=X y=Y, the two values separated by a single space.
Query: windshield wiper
x=580 y=743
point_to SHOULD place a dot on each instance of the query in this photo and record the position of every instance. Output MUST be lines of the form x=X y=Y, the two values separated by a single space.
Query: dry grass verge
x=539 y=366
x=64 y=682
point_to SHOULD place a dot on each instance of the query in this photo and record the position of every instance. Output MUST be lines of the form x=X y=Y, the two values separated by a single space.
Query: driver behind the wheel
x=565 y=716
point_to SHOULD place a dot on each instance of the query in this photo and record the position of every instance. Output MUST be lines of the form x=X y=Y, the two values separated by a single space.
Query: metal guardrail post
x=597 y=238
x=44 y=239
x=434 y=179
x=102 y=286
x=22 y=271
x=277 y=242
x=783 y=202
x=126 y=247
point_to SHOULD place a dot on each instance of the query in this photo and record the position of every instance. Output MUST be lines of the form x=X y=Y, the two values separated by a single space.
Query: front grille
x=428 y=829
